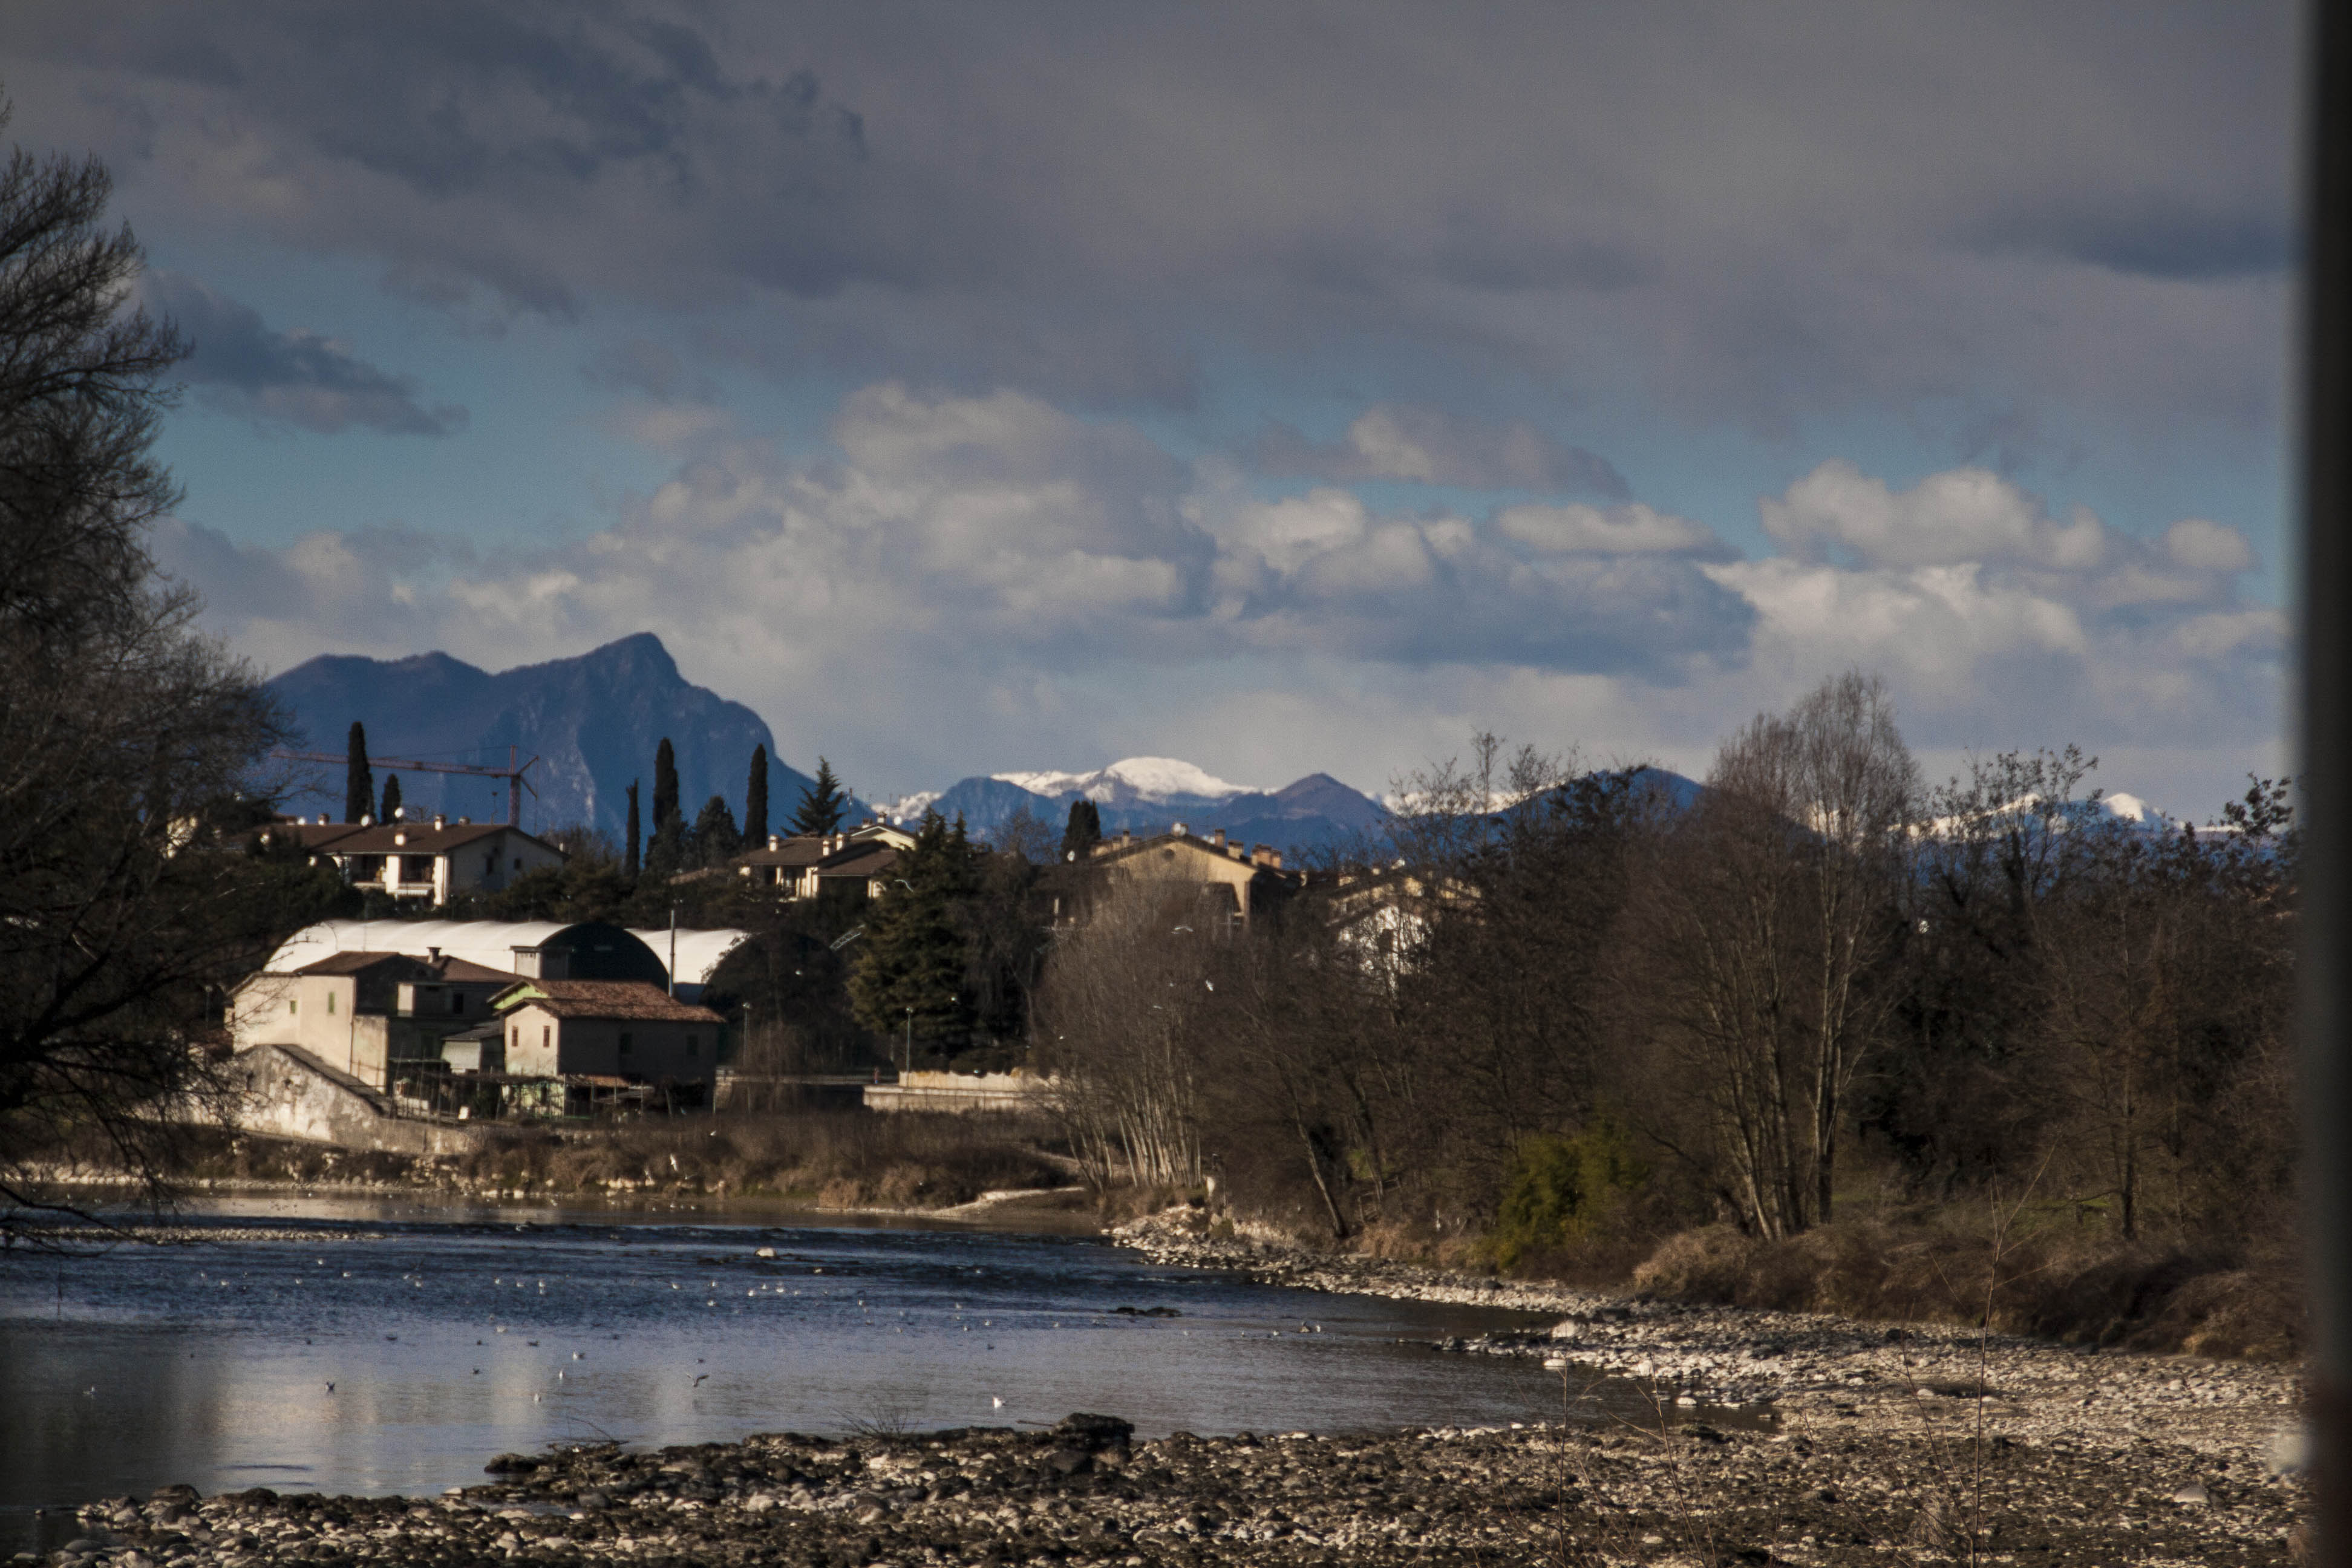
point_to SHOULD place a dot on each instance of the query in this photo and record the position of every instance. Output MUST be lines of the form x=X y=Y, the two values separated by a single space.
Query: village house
x=365 y=1014
x=1237 y=881
x=429 y=861
x=613 y=1028
x=855 y=865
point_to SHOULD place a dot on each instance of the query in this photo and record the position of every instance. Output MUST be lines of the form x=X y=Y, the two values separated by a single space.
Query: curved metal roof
x=492 y=944
x=700 y=954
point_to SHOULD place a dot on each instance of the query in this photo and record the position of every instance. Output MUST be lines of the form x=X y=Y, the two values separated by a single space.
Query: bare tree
x=1113 y=1021
x=128 y=742
x=1779 y=910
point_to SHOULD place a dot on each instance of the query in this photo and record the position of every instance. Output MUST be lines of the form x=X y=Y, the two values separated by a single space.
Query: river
x=261 y=1354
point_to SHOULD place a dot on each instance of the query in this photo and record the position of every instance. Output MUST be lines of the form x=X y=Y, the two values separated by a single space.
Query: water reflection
x=402 y=1362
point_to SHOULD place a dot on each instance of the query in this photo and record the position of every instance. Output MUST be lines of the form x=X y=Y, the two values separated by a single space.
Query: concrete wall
x=288 y=1093
x=959 y=1091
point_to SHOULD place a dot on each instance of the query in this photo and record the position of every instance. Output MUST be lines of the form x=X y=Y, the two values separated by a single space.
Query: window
x=456 y=1000
x=489 y=861
x=293 y=1005
x=518 y=862
x=330 y=1003
x=691 y=1043
x=546 y=1035
x=627 y=1042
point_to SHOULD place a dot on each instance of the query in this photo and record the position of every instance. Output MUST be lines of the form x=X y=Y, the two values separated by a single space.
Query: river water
x=400 y=1362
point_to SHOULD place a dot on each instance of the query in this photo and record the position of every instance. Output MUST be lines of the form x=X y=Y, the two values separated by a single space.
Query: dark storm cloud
x=240 y=366
x=1743 y=213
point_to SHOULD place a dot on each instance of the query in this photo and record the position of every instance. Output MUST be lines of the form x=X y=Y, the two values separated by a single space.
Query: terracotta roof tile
x=632 y=999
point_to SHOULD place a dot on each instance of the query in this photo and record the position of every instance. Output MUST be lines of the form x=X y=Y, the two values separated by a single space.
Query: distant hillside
x=594 y=722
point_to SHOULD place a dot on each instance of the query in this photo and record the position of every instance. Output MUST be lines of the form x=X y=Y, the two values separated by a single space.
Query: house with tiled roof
x=429 y=861
x=623 y=1030
x=855 y=865
x=1233 y=881
x=365 y=1014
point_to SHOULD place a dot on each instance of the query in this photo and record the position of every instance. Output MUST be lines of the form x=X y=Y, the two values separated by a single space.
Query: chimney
x=1264 y=855
x=1218 y=837
x=397 y=838
x=439 y=819
x=433 y=959
x=775 y=841
x=1178 y=830
x=366 y=820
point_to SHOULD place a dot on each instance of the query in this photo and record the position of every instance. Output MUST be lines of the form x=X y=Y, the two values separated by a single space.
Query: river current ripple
x=400 y=1362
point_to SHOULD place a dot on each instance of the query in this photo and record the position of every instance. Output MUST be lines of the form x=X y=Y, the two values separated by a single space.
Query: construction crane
x=512 y=773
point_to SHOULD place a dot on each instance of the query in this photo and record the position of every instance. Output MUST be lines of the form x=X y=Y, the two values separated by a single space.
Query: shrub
x=1561 y=1192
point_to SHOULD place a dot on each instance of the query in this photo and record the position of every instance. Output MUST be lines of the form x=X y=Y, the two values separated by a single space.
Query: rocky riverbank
x=1813 y=1491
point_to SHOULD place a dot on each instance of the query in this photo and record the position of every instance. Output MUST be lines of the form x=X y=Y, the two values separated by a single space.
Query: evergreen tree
x=714 y=841
x=910 y=981
x=665 y=851
x=1085 y=831
x=755 y=801
x=391 y=798
x=359 y=779
x=665 y=784
x=823 y=804
x=629 y=862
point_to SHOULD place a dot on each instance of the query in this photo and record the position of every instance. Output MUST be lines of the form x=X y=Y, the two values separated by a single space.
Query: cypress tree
x=359 y=779
x=755 y=801
x=1085 y=831
x=823 y=804
x=665 y=784
x=391 y=798
x=629 y=855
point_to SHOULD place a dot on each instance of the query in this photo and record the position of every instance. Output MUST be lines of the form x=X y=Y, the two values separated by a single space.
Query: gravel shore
x=1850 y=1443
x=1083 y=1494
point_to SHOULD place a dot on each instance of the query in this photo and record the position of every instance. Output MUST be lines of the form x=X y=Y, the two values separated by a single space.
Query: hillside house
x=611 y=1029
x=364 y=1014
x=855 y=865
x=432 y=860
x=1236 y=881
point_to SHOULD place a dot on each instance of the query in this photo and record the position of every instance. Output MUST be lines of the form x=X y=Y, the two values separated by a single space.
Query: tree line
x=1571 y=1010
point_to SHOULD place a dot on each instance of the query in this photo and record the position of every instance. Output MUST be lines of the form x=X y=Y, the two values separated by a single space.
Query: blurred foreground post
x=2326 y=957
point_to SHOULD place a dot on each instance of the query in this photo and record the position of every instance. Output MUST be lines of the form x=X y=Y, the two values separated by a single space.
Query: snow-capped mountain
x=1150 y=795
x=1136 y=781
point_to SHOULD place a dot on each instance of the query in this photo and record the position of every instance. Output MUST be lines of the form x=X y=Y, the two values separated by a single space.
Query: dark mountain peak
x=1320 y=794
x=593 y=720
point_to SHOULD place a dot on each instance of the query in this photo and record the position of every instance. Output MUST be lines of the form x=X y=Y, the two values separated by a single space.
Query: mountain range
x=1150 y=794
x=594 y=722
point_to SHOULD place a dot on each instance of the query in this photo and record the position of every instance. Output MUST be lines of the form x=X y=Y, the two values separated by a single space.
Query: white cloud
x=1618 y=529
x=978 y=583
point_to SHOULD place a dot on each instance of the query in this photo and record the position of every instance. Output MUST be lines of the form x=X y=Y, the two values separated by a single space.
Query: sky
x=1282 y=387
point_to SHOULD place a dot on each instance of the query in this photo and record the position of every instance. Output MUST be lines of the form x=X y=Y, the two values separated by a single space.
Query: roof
x=799 y=849
x=858 y=860
x=490 y=943
x=628 y=999
x=1232 y=856
x=355 y=962
x=700 y=954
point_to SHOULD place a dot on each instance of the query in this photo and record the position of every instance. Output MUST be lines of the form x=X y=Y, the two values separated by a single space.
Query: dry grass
x=2240 y=1302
